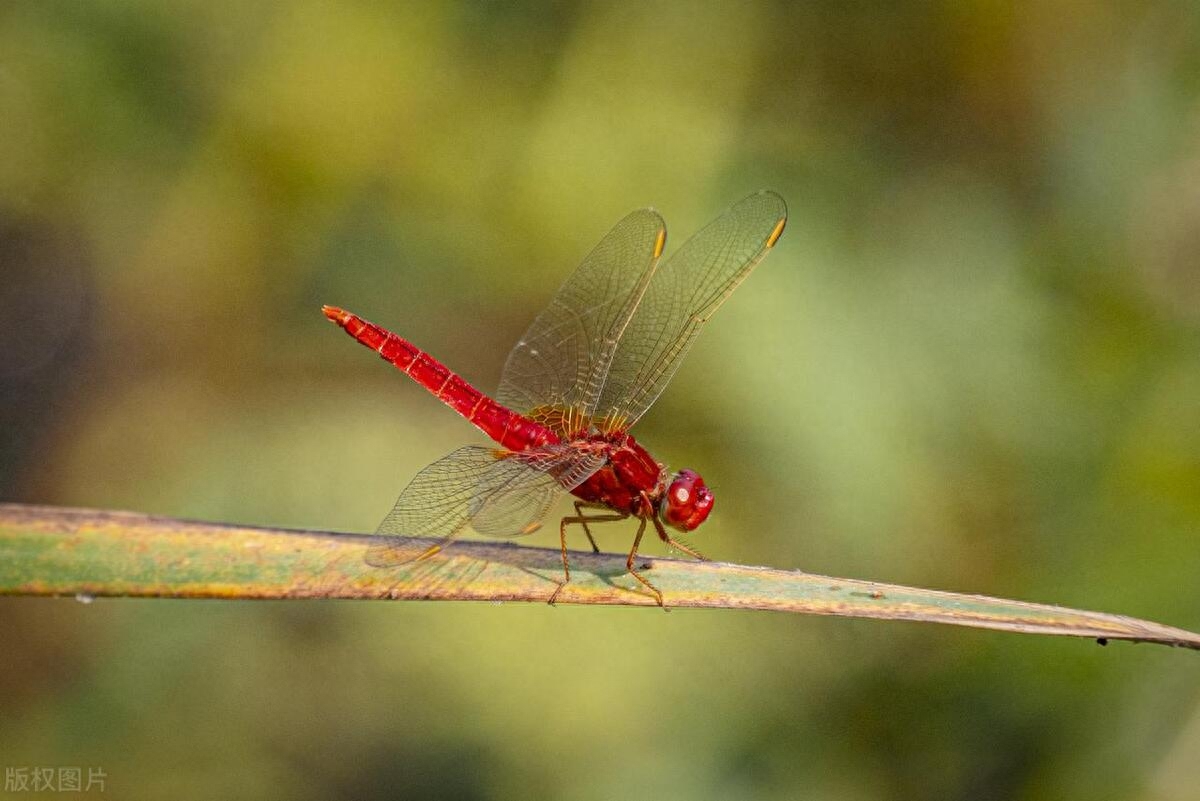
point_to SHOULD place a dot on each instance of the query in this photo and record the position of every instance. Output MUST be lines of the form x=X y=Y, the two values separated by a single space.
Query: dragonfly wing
x=685 y=291
x=518 y=506
x=517 y=509
x=556 y=372
x=499 y=492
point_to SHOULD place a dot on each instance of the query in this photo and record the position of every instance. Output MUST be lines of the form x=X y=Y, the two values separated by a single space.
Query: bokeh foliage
x=973 y=362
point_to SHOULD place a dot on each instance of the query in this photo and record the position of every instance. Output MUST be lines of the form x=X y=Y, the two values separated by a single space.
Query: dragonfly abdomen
x=513 y=431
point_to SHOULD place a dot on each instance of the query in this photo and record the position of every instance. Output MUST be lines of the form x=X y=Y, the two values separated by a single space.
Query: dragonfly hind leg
x=582 y=520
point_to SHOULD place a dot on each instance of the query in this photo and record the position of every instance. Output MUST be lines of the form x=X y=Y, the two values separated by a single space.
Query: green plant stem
x=52 y=551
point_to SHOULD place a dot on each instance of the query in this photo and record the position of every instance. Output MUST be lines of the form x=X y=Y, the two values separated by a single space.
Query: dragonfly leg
x=633 y=557
x=582 y=520
x=674 y=543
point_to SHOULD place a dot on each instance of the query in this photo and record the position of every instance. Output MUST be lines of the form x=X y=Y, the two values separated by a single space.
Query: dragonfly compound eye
x=687 y=501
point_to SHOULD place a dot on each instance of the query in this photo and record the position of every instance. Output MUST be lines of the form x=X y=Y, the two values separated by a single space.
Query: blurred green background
x=972 y=363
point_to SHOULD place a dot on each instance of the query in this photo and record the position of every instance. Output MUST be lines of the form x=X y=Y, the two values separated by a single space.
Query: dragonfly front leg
x=582 y=520
x=674 y=543
x=664 y=536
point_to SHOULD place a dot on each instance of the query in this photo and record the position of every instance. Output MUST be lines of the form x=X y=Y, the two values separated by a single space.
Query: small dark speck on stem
x=1101 y=641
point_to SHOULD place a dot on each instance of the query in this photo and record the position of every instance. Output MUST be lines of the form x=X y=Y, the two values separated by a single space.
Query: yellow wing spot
x=531 y=527
x=774 y=237
x=660 y=243
x=432 y=550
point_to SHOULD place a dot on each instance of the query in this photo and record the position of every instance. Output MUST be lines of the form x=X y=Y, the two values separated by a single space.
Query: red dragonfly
x=587 y=369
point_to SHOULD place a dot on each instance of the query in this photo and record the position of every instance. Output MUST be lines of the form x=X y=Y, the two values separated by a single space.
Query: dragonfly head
x=687 y=501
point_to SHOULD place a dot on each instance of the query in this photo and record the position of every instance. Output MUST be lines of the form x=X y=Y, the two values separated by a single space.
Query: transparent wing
x=561 y=362
x=516 y=509
x=499 y=492
x=685 y=291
